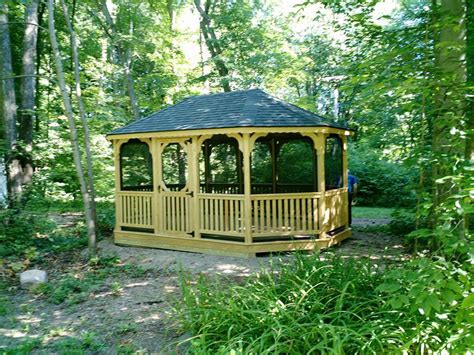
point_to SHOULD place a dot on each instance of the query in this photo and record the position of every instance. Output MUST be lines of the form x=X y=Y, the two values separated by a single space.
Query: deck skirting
x=224 y=247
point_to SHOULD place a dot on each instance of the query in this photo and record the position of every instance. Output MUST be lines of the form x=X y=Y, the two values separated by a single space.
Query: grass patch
x=372 y=212
x=331 y=306
x=75 y=288
x=25 y=347
x=380 y=228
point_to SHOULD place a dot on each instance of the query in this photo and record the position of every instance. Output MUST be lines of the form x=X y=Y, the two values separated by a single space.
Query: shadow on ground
x=128 y=313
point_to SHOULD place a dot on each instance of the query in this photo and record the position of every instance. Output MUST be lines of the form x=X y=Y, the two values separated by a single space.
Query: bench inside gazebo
x=236 y=173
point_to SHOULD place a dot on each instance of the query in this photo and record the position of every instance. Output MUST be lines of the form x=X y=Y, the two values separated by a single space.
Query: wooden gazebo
x=234 y=173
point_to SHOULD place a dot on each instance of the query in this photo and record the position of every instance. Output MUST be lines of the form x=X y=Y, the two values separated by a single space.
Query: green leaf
x=434 y=302
x=468 y=302
x=391 y=287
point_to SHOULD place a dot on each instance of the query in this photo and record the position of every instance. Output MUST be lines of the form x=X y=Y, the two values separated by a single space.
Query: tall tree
x=9 y=107
x=89 y=216
x=28 y=87
x=82 y=112
x=212 y=42
x=448 y=117
x=125 y=54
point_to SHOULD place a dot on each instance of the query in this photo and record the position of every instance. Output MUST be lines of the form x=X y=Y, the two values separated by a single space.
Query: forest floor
x=131 y=307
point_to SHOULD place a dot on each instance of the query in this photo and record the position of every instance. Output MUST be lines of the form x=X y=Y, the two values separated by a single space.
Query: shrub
x=402 y=223
x=105 y=218
x=336 y=305
x=381 y=182
x=20 y=231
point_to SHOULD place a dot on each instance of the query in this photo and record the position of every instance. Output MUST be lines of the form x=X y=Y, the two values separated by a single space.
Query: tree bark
x=91 y=228
x=28 y=88
x=82 y=112
x=9 y=108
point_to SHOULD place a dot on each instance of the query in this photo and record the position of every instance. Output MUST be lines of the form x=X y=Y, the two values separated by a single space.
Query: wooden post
x=118 y=205
x=345 y=178
x=320 y=145
x=207 y=166
x=195 y=185
x=157 y=178
x=240 y=172
x=345 y=175
x=274 y=165
x=247 y=189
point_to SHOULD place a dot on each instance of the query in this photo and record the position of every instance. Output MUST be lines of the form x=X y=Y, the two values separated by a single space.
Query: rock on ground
x=32 y=278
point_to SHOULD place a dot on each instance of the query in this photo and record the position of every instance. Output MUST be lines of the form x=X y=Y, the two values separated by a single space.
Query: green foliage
x=261 y=160
x=105 y=218
x=403 y=222
x=25 y=347
x=76 y=287
x=436 y=295
x=20 y=231
x=333 y=163
x=371 y=212
x=334 y=305
x=382 y=182
x=449 y=234
x=174 y=165
x=248 y=41
x=136 y=165
x=295 y=163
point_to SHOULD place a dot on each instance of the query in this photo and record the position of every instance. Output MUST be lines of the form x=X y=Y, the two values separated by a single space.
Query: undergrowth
x=27 y=236
x=76 y=287
x=334 y=306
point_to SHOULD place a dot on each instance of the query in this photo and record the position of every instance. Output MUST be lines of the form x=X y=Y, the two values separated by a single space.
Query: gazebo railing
x=135 y=209
x=221 y=214
x=176 y=216
x=290 y=214
x=285 y=214
x=336 y=211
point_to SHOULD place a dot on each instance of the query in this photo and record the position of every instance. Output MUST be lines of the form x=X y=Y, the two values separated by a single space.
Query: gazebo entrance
x=237 y=191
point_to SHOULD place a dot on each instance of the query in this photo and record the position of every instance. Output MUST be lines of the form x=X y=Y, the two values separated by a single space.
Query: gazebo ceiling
x=247 y=108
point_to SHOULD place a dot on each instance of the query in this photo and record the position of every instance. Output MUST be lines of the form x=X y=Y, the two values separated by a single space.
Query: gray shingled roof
x=248 y=108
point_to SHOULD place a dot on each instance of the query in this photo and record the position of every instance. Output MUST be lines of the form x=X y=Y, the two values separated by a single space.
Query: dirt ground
x=137 y=315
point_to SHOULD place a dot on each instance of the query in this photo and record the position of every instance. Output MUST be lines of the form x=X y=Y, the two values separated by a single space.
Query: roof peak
x=241 y=108
x=227 y=93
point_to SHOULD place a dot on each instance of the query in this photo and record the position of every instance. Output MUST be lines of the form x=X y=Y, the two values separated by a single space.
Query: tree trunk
x=28 y=87
x=469 y=151
x=91 y=228
x=450 y=50
x=82 y=112
x=212 y=43
x=9 y=108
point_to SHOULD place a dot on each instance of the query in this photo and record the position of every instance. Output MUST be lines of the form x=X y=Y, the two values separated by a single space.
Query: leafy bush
x=402 y=223
x=105 y=218
x=20 y=231
x=336 y=305
x=381 y=182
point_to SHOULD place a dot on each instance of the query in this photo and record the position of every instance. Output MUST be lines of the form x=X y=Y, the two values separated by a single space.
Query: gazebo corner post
x=320 y=145
x=157 y=176
x=195 y=184
x=118 y=197
x=247 y=189
x=345 y=180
